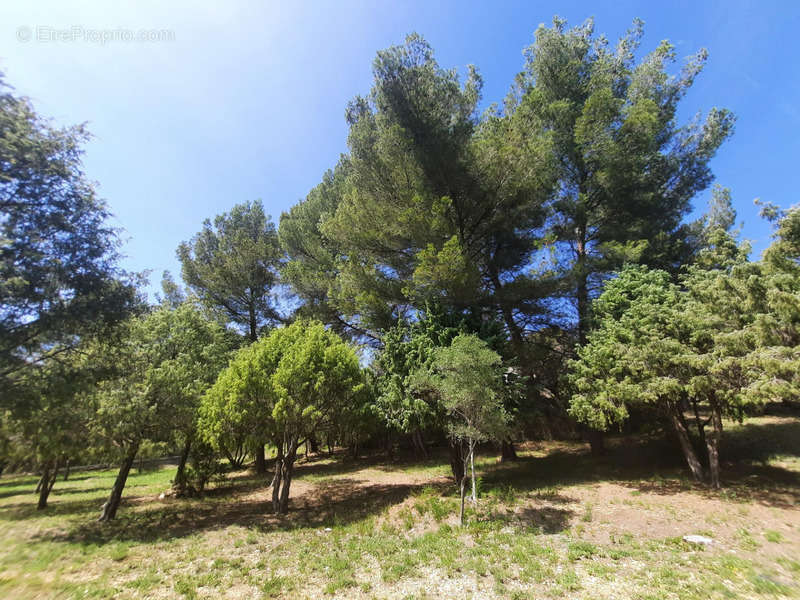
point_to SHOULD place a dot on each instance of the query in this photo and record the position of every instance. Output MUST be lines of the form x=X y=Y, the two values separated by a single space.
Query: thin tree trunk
x=456 y=461
x=44 y=488
x=287 y=467
x=507 y=451
x=112 y=504
x=472 y=470
x=45 y=475
x=261 y=461
x=52 y=481
x=66 y=470
x=595 y=438
x=463 y=493
x=419 y=443
x=389 y=445
x=276 y=485
x=701 y=426
x=713 y=441
x=686 y=445
x=180 y=474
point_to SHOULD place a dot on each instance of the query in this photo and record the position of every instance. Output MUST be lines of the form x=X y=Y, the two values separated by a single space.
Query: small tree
x=467 y=378
x=286 y=386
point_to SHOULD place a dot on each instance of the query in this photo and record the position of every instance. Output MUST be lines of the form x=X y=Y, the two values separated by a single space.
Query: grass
x=556 y=523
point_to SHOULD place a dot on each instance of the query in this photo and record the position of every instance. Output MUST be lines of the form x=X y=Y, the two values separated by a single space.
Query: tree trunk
x=389 y=445
x=456 y=461
x=261 y=462
x=597 y=443
x=112 y=504
x=280 y=501
x=507 y=451
x=686 y=445
x=312 y=439
x=180 y=475
x=462 y=487
x=419 y=443
x=276 y=480
x=701 y=426
x=252 y=322
x=52 y=481
x=44 y=488
x=713 y=441
x=45 y=476
x=472 y=470
x=66 y=470
x=595 y=438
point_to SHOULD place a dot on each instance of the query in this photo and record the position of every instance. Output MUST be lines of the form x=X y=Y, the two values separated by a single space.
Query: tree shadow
x=336 y=494
x=339 y=502
x=547 y=519
x=653 y=464
x=17 y=481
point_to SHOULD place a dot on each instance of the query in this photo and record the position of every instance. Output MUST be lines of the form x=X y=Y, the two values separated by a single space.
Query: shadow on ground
x=335 y=493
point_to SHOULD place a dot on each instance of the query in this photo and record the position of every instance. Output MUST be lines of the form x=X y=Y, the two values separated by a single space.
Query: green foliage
x=627 y=169
x=159 y=366
x=631 y=356
x=410 y=346
x=58 y=279
x=467 y=379
x=232 y=265
x=431 y=204
x=286 y=385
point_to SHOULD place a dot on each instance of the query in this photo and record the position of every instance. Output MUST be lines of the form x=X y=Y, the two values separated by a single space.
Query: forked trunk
x=713 y=440
x=112 y=504
x=686 y=444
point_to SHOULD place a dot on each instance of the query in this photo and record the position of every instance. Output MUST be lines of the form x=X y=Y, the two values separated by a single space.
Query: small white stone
x=328 y=529
x=698 y=539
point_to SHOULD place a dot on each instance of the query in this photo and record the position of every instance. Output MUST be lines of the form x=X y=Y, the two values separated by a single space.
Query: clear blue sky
x=247 y=101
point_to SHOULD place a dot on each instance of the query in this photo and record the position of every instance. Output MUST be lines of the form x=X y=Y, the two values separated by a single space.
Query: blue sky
x=247 y=101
